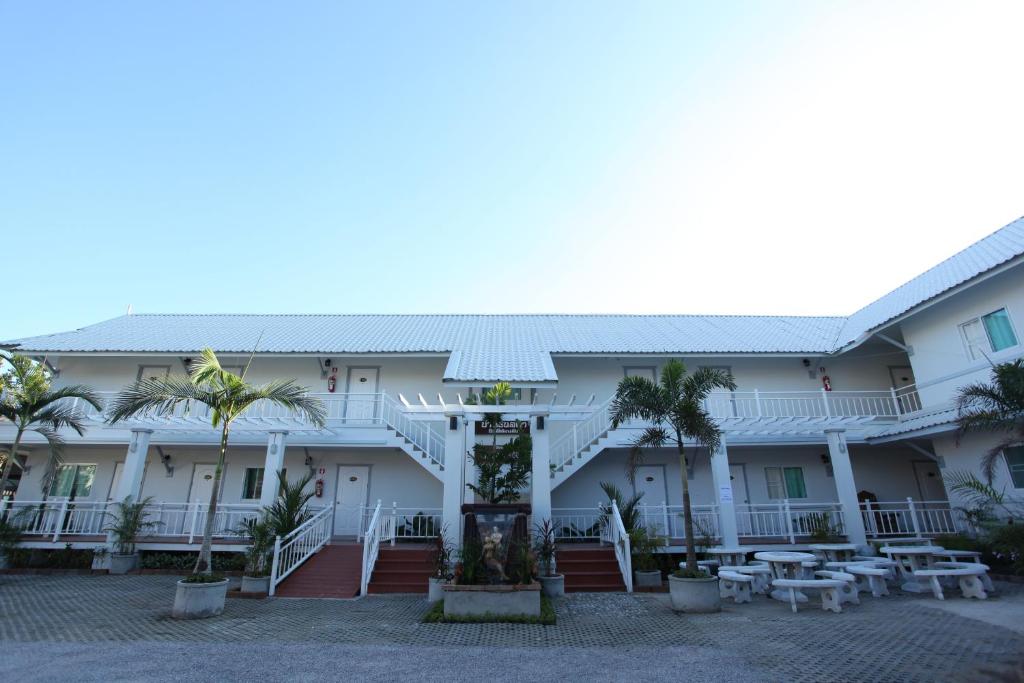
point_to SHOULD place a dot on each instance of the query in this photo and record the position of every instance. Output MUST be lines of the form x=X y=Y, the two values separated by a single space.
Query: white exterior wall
x=940 y=361
x=967 y=456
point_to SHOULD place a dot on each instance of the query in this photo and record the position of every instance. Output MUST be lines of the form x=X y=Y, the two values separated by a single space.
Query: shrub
x=184 y=561
x=38 y=558
x=1008 y=546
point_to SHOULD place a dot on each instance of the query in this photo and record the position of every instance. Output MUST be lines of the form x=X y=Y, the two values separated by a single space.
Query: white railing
x=582 y=434
x=292 y=550
x=57 y=518
x=578 y=524
x=667 y=520
x=756 y=404
x=614 y=532
x=413 y=523
x=381 y=528
x=909 y=518
x=419 y=432
x=785 y=519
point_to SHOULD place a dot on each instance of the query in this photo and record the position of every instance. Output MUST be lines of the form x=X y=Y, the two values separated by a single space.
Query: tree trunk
x=691 y=551
x=204 y=564
x=9 y=465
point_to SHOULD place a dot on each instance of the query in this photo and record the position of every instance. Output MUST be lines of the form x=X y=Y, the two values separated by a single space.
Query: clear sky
x=771 y=157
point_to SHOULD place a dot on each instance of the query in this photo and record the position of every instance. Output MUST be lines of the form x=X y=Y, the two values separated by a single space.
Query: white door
x=351 y=499
x=202 y=484
x=362 y=389
x=740 y=497
x=903 y=376
x=650 y=481
x=929 y=481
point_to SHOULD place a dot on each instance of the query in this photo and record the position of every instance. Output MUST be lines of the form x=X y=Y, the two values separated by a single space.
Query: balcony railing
x=911 y=518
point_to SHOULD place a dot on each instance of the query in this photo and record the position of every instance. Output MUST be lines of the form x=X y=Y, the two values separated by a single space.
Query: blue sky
x=798 y=157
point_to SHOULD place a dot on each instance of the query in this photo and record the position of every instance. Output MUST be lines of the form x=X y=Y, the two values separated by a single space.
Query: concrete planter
x=255 y=584
x=647 y=579
x=199 y=600
x=476 y=601
x=123 y=563
x=553 y=586
x=435 y=591
x=694 y=595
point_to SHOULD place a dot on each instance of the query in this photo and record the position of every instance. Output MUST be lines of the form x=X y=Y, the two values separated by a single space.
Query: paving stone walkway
x=899 y=638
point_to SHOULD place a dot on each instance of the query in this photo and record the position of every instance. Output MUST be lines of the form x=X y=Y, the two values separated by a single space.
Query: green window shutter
x=999 y=331
x=795 y=482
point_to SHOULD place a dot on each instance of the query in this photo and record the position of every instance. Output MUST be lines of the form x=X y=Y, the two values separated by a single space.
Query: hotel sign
x=503 y=428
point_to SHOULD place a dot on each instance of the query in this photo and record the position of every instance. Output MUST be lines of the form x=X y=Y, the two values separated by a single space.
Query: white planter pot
x=647 y=579
x=255 y=584
x=694 y=595
x=123 y=563
x=552 y=586
x=199 y=600
x=434 y=590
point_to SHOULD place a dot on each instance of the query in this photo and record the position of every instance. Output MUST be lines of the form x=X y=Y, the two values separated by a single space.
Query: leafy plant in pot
x=256 y=576
x=441 y=561
x=129 y=521
x=228 y=396
x=674 y=409
x=643 y=544
x=10 y=535
x=551 y=584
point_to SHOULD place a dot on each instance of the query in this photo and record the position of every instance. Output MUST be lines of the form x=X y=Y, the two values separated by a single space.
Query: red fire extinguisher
x=826 y=383
x=332 y=381
x=319 y=488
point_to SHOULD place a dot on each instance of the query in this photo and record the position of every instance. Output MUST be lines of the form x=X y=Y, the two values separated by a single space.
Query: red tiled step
x=589 y=570
x=401 y=570
x=331 y=573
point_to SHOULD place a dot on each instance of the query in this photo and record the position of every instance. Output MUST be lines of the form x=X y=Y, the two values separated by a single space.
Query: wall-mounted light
x=165 y=460
x=453 y=423
x=540 y=423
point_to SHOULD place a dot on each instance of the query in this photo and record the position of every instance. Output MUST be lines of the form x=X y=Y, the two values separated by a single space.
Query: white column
x=846 y=488
x=130 y=484
x=540 y=479
x=276 y=443
x=469 y=471
x=722 y=479
x=454 y=467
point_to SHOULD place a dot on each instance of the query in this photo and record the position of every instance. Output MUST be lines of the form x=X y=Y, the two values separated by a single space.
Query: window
x=1014 y=457
x=73 y=481
x=988 y=333
x=252 y=484
x=785 y=482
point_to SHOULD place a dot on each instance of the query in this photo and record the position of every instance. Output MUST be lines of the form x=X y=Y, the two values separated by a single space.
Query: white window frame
x=142 y=369
x=782 y=482
x=1009 y=469
x=969 y=348
x=76 y=465
x=259 y=491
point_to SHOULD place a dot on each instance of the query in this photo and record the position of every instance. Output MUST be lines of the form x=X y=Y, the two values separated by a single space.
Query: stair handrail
x=292 y=549
x=419 y=432
x=582 y=435
x=614 y=532
x=375 y=532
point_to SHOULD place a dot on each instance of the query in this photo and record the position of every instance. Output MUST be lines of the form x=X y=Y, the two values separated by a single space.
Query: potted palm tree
x=551 y=584
x=228 y=396
x=31 y=404
x=129 y=522
x=643 y=544
x=673 y=408
x=256 y=576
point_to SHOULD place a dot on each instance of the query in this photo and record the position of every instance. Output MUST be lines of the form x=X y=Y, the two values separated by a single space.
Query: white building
x=849 y=416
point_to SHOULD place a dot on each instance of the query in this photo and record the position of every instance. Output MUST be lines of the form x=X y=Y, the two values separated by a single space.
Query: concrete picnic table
x=835 y=552
x=909 y=559
x=736 y=556
x=906 y=540
x=786 y=565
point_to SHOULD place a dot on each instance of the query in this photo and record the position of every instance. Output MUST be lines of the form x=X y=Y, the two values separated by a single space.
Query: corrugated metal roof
x=945 y=416
x=1001 y=246
x=484 y=347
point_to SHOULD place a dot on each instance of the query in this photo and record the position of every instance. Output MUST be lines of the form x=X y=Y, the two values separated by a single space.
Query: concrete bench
x=968 y=575
x=967 y=557
x=708 y=566
x=880 y=562
x=734 y=585
x=762 y=574
x=870 y=577
x=829 y=591
x=848 y=593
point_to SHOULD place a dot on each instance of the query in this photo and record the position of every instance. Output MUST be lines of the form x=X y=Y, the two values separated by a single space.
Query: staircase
x=424 y=459
x=401 y=570
x=586 y=454
x=333 y=572
x=589 y=569
x=581 y=444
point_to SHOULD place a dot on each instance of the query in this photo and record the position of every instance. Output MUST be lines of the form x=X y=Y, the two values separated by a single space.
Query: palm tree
x=228 y=397
x=675 y=408
x=32 y=405
x=997 y=406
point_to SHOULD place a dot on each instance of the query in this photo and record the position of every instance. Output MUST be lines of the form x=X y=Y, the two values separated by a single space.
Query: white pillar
x=540 y=478
x=130 y=484
x=722 y=479
x=846 y=488
x=469 y=471
x=454 y=467
x=276 y=444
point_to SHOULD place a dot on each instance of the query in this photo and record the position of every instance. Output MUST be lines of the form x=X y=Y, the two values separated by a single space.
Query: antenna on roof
x=129 y=311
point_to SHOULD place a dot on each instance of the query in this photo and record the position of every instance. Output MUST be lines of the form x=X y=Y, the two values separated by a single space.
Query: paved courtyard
x=118 y=628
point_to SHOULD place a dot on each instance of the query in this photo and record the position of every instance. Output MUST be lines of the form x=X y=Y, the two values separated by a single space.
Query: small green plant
x=129 y=521
x=261 y=543
x=203 y=578
x=1008 y=546
x=441 y=557
x=420 y=526
x=820 y=527
x=644 y=544
x=544 y=547
x=469 y=570
x=629 y=510
x=289 y=511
